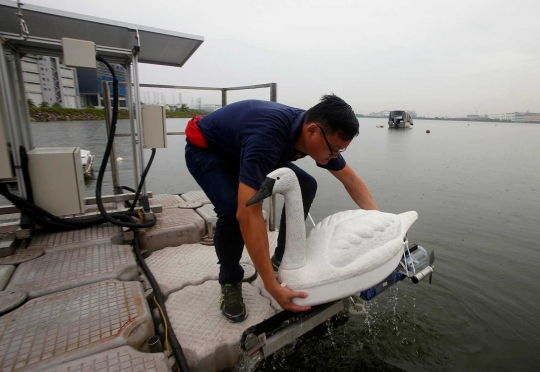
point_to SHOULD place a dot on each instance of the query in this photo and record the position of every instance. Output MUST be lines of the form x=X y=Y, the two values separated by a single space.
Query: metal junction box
x=79 y=53
x=57 y=179
x=154 y=126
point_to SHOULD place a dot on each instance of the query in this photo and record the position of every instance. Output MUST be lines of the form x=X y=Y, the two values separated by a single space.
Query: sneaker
x=275 y=263
x=232 y=304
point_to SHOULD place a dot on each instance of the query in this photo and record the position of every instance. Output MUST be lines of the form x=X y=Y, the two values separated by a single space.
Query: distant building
x=503 y=117
x=476 y=117
x=47 y=80
x=515 y=116
x=380 y=114
x=198 y=105
x=533 y=117
x=90 y=85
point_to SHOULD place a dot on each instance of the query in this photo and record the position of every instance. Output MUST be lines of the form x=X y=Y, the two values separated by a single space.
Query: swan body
x=344 y=254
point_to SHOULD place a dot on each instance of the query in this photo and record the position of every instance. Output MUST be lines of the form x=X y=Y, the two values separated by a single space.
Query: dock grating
x=209 y=341
x=189 y=264
x=73 y=324
x=174 y=226
x=61 y=270
x=6 y=271
x=77 y=238
x=165 y=200
x=198 y=195
x=122 y=359
x=22 y=255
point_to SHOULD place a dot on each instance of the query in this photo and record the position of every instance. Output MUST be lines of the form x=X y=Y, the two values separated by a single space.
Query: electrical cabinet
x=154 y=126
x=79 y=53
x=57 y=179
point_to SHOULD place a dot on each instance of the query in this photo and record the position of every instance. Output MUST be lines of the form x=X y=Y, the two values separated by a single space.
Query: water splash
x=247 y=363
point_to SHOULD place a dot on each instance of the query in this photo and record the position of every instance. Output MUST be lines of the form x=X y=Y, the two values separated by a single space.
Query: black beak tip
x=264 y=192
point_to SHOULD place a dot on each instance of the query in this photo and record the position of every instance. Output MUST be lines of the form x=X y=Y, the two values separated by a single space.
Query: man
x=229 y=153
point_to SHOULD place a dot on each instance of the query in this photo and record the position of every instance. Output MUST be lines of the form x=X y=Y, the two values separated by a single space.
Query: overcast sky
x=440 y=58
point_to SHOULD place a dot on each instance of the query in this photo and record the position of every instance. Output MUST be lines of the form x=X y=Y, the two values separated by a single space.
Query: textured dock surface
x=190 y=264
x=22 y=255
x=95 y=235
x=70 y=268
x=73 y=324
x=86 y=315
x=123 y=359
x=174 y=226
x=198 y=195
x=209 y=341
x=6 y=271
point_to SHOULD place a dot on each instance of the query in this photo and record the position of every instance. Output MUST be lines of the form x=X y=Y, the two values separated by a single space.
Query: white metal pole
x=8 y=102
x=136 y=97
x=25 y=132
x=132 y=124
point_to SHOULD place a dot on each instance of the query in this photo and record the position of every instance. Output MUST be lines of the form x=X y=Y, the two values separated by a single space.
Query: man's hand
x=284 y=296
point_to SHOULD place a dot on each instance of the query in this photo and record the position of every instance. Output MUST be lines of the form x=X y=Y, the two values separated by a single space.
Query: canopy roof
x=113 y=39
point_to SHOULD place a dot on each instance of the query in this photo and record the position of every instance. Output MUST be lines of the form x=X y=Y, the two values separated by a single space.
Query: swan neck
x=295 y=238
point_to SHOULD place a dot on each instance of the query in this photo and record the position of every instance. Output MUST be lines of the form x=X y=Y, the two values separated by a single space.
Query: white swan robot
x=344 y=254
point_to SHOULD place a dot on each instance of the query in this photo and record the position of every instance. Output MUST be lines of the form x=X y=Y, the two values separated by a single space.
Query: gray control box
x=57 y=179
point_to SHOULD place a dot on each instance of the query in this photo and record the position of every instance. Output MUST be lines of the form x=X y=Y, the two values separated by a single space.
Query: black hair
x=334 y=115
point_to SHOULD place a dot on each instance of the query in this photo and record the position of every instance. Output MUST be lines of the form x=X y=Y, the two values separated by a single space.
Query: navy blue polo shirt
x=260 y=135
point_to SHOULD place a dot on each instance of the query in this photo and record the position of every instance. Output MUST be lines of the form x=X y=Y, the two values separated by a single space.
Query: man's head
x=328 y=128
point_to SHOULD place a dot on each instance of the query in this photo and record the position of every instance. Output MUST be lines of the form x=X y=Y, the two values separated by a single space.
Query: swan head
x=277 y=182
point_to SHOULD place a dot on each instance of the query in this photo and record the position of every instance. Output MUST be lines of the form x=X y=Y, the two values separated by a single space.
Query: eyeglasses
x=332 y=152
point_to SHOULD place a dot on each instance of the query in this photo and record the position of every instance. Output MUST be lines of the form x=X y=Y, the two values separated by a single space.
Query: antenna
x=478 y=108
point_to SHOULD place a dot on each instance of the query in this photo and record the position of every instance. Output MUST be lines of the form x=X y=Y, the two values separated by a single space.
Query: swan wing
x=354 y=237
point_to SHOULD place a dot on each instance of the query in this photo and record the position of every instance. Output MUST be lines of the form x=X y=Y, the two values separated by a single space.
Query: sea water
x=476 y=188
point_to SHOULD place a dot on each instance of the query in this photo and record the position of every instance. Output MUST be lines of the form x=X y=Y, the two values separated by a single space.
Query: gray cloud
x=443 y=58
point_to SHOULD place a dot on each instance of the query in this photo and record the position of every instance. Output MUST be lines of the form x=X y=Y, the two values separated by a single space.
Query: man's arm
x=356 y=188
x=253 y=229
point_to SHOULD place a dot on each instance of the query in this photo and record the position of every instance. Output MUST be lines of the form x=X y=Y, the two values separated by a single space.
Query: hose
x=173 y=340
x=116 y=218
x=158 y=295
x=142 y=180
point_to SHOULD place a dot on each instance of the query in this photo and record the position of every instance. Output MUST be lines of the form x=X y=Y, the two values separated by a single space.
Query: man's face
x=322 y=146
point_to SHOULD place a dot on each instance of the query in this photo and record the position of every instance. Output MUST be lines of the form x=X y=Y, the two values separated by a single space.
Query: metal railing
x=107 y=106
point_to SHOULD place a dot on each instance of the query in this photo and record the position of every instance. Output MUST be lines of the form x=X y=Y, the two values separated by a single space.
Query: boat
x=400 y=119
x=87 y=159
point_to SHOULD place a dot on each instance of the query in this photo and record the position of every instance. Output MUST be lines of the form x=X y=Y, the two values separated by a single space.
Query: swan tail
x=407 y=219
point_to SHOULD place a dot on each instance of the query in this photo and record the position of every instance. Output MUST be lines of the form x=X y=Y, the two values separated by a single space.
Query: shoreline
x=47 y=114
x=459 y=119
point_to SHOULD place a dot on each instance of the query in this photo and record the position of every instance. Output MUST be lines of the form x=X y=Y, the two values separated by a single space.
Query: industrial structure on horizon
x=512 y=117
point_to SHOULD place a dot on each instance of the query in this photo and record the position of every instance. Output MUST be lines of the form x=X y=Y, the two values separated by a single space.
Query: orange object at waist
x=193 y=133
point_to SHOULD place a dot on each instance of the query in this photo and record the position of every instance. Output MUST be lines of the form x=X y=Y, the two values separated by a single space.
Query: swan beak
x=264 y=192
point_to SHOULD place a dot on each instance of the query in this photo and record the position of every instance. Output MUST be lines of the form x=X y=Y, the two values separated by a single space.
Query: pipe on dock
x=155 y=345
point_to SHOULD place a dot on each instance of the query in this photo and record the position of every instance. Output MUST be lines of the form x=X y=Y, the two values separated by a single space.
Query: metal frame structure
x=29 y=29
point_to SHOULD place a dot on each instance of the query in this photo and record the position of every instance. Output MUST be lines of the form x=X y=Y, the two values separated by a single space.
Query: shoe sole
x=237 y=319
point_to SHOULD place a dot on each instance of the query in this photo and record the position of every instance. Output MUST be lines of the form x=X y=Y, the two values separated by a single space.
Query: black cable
x=113 y=217
x=175 y=345
x=143 y=177
x=26 y=174
x=46 y=219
